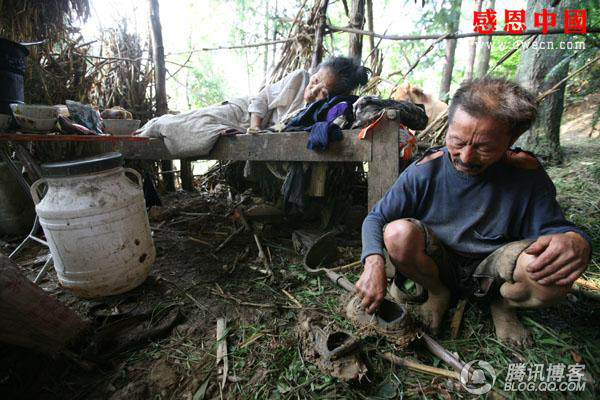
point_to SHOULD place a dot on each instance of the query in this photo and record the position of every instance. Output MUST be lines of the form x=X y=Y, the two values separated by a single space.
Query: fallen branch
x=257 y=305
x=457 y=318
x=586 y=284
x=415 y=366
x=222 y=350
x=228 y=239
x=261 y=252
x=193 y=239
x=292 y=298
x=592 y=295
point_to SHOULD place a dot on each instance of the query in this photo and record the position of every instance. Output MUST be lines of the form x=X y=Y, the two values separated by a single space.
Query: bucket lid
x=83 y=166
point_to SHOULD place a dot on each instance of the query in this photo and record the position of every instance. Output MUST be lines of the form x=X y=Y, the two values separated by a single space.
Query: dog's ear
x=417 y=91
x=429 y=157
x=522 y=159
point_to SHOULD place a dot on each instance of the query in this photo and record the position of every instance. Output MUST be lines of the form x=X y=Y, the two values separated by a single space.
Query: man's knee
x=539 y=295
x=403 y=240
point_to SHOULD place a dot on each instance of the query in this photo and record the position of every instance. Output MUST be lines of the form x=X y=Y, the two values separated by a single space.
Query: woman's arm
x=255 y=121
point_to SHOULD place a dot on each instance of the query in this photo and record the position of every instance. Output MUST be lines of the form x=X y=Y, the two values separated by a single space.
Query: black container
x=12 y=67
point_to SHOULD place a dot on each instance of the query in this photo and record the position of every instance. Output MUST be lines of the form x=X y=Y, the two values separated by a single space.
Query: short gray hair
x=499 y=99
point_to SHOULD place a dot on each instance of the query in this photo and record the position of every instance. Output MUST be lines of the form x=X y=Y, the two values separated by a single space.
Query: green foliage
x=500 y=46
x=206 y=85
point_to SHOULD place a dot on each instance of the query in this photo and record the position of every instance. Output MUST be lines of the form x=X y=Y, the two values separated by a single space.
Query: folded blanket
x=194 y=133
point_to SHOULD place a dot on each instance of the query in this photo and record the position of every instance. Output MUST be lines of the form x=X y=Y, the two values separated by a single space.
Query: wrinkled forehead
x=464 y=123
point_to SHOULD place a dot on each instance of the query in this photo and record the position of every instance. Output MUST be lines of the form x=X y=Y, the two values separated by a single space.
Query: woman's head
x=335 y=76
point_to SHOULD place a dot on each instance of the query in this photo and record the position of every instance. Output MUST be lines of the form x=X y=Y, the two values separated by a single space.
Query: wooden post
x=29 y=317
x=319 y=33
x=357 y=20
x=187 y=177
x=318 y=177
x=158 y=54
x=383 y=167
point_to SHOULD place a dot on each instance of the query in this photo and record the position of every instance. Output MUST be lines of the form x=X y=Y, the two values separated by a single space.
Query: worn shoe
x=391 y=320
x=334 y=351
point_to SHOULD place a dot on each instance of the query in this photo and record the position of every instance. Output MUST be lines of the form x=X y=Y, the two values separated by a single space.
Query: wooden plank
x=287 y=146
x=41 y=137
x=383 y=169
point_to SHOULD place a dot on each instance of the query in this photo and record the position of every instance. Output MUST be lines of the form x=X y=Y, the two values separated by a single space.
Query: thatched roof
x=31 y=20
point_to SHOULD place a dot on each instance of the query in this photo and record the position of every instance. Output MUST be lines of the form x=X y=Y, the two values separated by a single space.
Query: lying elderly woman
x=194 y=133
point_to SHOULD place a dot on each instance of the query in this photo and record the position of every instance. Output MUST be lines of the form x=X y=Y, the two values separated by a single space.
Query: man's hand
x=561 y=258
x=372 y=285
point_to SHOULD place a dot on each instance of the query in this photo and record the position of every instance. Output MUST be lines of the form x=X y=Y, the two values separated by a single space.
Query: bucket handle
x=34 y=191
x=136 y=174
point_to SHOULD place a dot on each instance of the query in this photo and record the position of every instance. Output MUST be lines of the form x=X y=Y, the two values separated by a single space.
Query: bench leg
x=187 y=178
x=383 y=167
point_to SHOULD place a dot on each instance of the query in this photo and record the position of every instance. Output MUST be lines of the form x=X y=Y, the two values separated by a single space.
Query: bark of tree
x=317 y=55
x=483 y=62
x=29 y=317
x=540 y=69
x=158 y=54
x=266 y=53
x=450 y=50
x=370 y=24
x=472 y=50
x=357 y=21
x=376 y=61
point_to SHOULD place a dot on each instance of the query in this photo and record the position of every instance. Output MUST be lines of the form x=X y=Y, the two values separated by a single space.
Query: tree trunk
x=472 y=50
x=357 y=21
x=29 y=317
x=317 y=55
x=450 y=50
x=483 y=63
x=158 y=53
x=370 y=24
x=540 y=69
x=266 y=53
x=375 y=54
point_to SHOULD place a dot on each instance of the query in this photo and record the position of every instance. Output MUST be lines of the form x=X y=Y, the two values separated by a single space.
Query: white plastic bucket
x=97 y=229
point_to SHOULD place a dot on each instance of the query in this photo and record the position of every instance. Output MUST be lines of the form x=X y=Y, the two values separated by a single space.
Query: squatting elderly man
x=475 y=218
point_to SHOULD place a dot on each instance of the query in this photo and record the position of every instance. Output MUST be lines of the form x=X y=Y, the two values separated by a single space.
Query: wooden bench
x=380 y=150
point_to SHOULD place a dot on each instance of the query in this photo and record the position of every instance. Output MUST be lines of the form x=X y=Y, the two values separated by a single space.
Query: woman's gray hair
x=349 y=74
x=499 y=99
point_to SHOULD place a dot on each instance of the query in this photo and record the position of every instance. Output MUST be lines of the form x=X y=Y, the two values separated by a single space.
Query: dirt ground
x=170 y=350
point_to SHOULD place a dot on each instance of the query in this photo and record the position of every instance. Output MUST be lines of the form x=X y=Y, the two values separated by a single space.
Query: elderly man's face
x=476 y=143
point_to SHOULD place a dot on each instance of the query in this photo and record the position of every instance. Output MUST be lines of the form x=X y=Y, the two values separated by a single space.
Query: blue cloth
x=321 y=133
x=473 y=215
x=316 y=112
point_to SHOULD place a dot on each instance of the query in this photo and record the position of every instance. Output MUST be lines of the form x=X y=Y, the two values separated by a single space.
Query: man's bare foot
x=508 y=327
x=432 y=311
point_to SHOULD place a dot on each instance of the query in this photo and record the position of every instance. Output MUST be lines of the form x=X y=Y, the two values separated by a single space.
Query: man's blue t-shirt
x=472 y=215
